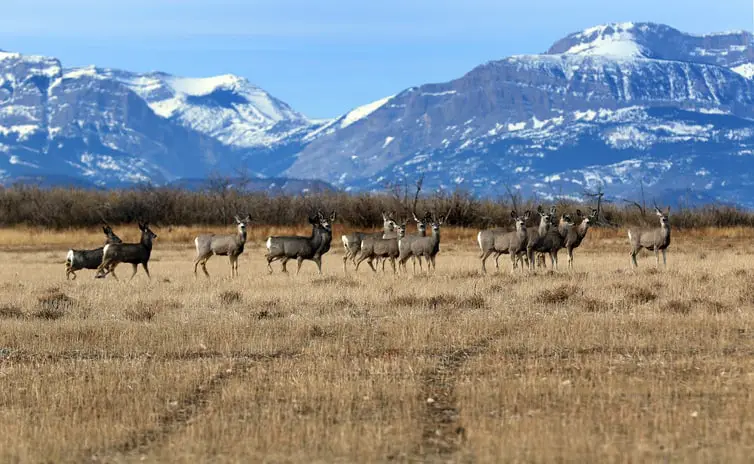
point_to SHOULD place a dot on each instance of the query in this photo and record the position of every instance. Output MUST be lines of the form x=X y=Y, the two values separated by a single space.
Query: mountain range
x=622 y=107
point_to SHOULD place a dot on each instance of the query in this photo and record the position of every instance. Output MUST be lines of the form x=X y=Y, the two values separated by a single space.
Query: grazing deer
x=133 y=253
x=577 y=234
x=385 y=248
x=404 y=244
x=657 y=239
x=285 y=248
x=352 y=241
x=89 y=259
x=221 y=245
x=428 y=247
x=551 y=243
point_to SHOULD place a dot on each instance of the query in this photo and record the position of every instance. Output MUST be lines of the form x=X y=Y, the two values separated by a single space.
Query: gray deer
x=89 y=259
x=222 y=245
x=577 y=234
x=656 y=239
x=551 y=243
x=427 y=247
x=352 y=241
x=500 y=241
x=404 y=244
x=378 y=247
x=535 y=234
x=132 y=253
x=285 y=248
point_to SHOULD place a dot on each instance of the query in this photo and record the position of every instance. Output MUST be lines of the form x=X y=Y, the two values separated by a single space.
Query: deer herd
x=527 y=247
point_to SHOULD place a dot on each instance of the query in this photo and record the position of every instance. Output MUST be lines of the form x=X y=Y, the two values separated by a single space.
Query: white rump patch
x=479 y=239
x=69 y=257
x=269 y=243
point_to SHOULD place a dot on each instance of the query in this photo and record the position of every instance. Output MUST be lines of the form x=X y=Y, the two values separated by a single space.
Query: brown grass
x=602 y=364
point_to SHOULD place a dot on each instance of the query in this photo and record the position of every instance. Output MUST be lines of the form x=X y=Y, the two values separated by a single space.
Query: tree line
x=61 y=208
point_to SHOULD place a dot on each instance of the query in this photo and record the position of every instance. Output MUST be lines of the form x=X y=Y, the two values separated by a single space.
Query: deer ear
x=513 y=214
x=578 y=212
x=540 y=210
x=552 y=210
x=238 y=220
x=333 y=216
x=658 y=212
x=667 y=210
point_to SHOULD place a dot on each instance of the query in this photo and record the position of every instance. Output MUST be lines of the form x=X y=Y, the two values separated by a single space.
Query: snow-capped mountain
x=91 y=126
x=615 y=105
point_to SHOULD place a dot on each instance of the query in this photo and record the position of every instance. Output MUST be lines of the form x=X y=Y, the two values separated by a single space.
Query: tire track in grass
x=188 y=408
x=443 y=434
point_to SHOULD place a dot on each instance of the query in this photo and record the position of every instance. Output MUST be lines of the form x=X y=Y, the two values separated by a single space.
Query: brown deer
x=132 y=253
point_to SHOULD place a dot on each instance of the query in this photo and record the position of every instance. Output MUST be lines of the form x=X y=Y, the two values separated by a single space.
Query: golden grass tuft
x=229 y=297
x=10 y=311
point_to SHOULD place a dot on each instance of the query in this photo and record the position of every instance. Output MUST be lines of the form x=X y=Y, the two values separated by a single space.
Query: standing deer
x=657 y=239
x=221 y=245
x=352 y=241
x=378 y=247
x=577 y=234
x=404 y=244
x=535 y=234
x=89 y=259
x=550 y=243
x=312 y=248
x=428 y=247
x=133 y=253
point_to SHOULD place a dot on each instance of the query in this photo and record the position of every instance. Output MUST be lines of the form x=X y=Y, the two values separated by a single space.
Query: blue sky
x=324 y=57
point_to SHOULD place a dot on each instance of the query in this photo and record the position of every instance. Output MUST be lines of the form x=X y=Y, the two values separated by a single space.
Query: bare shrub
x=141 y=312
x=8 y=311
x=229 y=297
x=639 y=295
x=593 y=305
x=557 y=295
x=677 y=307
x=53 y=304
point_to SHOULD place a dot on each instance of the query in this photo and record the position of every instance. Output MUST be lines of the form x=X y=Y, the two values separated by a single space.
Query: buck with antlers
x=285 y=248
x=89 y=259
x=222 y=245
x=656 y=239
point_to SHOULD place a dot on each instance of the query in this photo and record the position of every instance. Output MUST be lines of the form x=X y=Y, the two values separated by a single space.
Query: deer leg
x=318 y=261
x=146 y=269
x=664 y=258
x=632 y=254
x=657 y=257
x=369 y=261
x=497 y=263
x=269 y=260
x=484 y=257
x=284 y=263
x=392 y=261
x=555 y=260
x=383 y=264
x=204 y=268
x=135 y=267
x=299 y=262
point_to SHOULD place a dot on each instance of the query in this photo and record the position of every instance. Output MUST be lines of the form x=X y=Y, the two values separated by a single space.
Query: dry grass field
x=601 y=364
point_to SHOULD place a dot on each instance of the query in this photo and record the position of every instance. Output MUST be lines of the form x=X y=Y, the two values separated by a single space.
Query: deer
x=385 y=248
x=221 y=245
x=352 y=241
x=428 y=247
x=133 y=253
x=285 y=248
x=656 y=239
x=404 y=244
x=551 y=243
x=499 y=242
x=89 y=259
x=577 y=234
x=534 y=234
